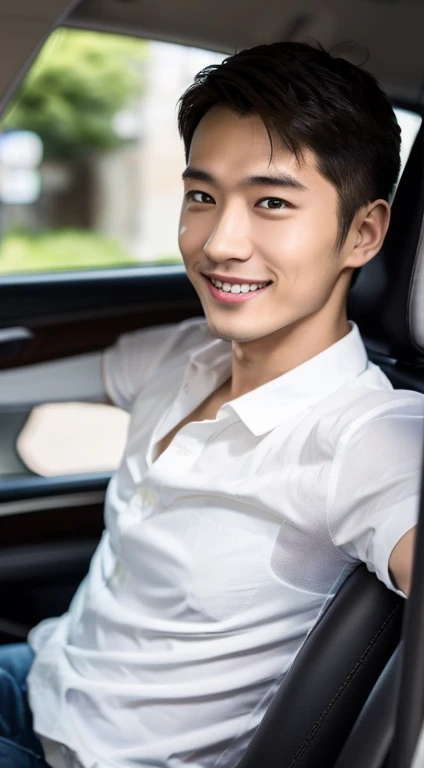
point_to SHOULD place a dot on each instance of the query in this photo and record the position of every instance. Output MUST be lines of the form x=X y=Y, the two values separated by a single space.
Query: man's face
x=251 y=229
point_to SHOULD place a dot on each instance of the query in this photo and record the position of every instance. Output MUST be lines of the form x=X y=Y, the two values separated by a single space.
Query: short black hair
x=311 y=100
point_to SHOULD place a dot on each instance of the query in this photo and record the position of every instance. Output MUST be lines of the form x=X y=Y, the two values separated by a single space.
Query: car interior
x=354 y=695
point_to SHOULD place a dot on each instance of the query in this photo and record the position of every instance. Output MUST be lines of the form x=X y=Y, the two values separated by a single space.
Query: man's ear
x=367 y=233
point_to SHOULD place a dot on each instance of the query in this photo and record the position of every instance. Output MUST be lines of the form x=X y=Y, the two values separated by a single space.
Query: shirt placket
x=188 y=444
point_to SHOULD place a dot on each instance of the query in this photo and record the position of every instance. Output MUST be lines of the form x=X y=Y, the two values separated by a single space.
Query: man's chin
x=219 y=331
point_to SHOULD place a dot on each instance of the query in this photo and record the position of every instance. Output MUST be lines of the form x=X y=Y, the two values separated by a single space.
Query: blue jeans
x=19 y=746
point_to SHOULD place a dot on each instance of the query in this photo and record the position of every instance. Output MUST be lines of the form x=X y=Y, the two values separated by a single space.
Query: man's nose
x=230 y=238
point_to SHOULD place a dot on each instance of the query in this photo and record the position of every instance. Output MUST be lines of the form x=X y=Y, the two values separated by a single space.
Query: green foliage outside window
x=70 y=97
x=66 y=249
x=79 y=82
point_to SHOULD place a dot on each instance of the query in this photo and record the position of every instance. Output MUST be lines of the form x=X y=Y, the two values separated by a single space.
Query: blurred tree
x=79 y=82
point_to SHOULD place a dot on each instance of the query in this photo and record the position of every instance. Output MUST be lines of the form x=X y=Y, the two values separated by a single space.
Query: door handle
x=13 y=341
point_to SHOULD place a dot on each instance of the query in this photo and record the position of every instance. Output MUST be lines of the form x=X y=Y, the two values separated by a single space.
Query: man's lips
x=228 y=297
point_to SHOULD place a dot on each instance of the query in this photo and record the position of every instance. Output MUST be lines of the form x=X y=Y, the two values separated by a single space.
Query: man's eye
x=198 y=197
x=272 y=203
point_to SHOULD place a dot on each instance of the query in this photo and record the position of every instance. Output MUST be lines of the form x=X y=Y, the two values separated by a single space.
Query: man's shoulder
x=172 y=336
x=360 y=406
x=141 y=355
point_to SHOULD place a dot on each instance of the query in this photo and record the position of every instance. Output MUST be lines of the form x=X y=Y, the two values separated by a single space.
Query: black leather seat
x=339 y=666
x=327 y=685
x=372 y=735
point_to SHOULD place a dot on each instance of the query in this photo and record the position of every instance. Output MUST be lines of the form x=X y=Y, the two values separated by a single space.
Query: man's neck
x=249 y=374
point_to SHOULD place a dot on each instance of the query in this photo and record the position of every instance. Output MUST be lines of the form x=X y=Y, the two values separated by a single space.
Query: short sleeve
x=135 y=357
x=375 y=486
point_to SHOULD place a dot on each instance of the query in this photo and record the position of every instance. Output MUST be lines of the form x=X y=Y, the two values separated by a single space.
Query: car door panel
x=74 y=314
x=69 y=314
x=11 y=424
x=50 y=528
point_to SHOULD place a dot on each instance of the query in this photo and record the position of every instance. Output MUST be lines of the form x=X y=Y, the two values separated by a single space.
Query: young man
x=266 y=455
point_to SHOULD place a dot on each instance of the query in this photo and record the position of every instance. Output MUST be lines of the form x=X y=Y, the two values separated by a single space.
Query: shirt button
x=183 y=450
x=120 y=571
x=145 y=497
x=185 y=388
x=138 y=498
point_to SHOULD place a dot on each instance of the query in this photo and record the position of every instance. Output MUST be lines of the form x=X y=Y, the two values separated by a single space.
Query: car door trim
x=88 y=498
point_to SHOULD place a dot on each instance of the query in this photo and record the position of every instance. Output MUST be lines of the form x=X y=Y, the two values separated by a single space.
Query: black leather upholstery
x=369 y=743
x=324 y=690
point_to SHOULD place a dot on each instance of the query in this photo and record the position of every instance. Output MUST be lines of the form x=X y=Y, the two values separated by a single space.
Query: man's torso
x=215 y=563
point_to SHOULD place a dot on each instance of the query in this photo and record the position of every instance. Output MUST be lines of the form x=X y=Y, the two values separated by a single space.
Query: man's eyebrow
x=197 y=175
x=279 y=180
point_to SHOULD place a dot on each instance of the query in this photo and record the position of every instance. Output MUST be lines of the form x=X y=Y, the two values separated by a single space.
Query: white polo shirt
x=218 y=557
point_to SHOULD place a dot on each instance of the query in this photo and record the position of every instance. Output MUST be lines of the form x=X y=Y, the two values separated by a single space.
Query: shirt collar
x=267 y=406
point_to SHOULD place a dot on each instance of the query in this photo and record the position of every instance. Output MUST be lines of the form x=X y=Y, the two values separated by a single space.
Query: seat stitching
x=341 y=689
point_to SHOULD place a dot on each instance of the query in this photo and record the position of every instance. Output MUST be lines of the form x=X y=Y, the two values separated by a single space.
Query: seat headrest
x=387 y=301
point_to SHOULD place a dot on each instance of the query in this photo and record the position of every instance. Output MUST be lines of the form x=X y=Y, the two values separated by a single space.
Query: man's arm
x=400 y=562
x=372 y=517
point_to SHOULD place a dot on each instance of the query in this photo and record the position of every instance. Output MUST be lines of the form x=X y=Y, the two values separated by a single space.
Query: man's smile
x=234 y=293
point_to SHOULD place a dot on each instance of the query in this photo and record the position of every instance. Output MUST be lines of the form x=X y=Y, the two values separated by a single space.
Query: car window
x=90 y=157
x=409 y=122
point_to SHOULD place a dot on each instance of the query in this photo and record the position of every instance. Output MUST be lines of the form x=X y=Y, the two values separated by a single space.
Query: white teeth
x=236 y=287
